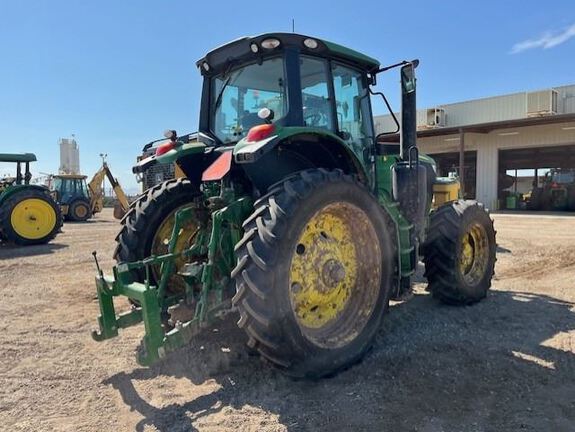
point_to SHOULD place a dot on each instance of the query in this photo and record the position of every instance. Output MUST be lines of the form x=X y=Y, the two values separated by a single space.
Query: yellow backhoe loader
x=80 y=200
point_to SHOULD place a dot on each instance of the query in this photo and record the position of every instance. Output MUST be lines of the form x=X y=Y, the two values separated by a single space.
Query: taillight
x=165 y=148
x=260 y=132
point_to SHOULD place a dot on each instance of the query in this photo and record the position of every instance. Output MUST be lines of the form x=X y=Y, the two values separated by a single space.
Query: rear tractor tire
x=148 y=224
x=79 y=211
x=30 y=217
x=314 y=273
x=459 y=252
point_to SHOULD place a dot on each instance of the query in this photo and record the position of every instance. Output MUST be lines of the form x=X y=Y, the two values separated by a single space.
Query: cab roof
x=18 y=157
x=71 y=176
x=242 y=50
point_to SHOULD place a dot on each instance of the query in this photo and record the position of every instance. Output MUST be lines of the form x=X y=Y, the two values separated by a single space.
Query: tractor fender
x=293 y=149
x=192 y=157
x=17 y=188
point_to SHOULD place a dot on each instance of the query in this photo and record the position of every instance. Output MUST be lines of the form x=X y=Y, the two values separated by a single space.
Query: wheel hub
x=474 y=254
x=161 y=241
x=332 y=273
x=334 y=276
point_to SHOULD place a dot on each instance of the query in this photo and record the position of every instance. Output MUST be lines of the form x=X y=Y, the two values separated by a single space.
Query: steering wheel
x=312 y=119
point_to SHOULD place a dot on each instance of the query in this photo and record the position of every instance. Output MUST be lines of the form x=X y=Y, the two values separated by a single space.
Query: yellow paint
x=178 y=172
x=324 y=272
x=445 y=192
x=33 y=218
x=81 y=211
x=474 y=254
x=161 y=241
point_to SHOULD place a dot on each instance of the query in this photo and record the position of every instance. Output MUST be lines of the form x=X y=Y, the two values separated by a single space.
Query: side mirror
x=408 y=77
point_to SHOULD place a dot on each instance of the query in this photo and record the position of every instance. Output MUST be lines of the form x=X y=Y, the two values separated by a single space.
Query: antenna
x=293 y=25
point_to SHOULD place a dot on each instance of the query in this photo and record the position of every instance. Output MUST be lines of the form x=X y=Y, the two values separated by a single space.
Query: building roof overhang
x=484 y=128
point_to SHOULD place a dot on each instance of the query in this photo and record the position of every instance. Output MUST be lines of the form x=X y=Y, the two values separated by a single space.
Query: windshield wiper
x=226 y=82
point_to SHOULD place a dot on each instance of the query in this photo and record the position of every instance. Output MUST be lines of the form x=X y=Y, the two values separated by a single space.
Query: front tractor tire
x=314 y=273
x=30 y=217
x=459 y=252
x=148 y=225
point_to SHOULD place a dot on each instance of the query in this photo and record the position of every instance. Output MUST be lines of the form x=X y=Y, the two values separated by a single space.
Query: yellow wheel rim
x=161 y=242
x=33 y=218
x=335 y=274
x=81 y=211
x=474 y=254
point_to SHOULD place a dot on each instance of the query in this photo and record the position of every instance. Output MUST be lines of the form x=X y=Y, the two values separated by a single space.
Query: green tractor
x=291 y=212
x=28 y=213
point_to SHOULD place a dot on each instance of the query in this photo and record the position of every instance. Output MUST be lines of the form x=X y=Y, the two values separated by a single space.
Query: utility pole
x=104 y=156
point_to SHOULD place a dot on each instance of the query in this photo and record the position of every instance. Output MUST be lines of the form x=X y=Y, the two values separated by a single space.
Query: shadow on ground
x=491 y=366
x=13 y=251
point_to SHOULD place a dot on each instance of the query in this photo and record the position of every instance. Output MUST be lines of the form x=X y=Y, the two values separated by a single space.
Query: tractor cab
x=280 y=85
x=297 y=80
x=70 y=187
x=22 y=160
x=71 y=191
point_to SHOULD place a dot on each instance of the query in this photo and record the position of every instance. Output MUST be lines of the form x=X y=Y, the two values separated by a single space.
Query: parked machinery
x=556 y=192
x=28 y=214
x=291 y=212
x=80 y=200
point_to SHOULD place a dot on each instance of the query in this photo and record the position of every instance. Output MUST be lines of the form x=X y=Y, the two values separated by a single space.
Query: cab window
x=238 y=96
x=352 y=106
x=317 y=107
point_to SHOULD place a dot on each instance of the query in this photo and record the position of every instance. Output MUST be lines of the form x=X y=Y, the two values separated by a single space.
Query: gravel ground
x=505 y=364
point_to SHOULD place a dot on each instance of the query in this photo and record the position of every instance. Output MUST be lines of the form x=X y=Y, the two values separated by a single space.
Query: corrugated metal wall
x=491 y=109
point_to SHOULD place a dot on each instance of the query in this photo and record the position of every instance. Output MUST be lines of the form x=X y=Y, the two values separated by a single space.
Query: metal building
x=69 y=156
x=485 y=138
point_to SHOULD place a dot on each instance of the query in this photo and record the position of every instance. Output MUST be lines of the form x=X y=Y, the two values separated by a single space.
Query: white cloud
x=546 y=41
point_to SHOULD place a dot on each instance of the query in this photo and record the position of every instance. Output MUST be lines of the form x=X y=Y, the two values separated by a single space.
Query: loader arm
x=97 y=194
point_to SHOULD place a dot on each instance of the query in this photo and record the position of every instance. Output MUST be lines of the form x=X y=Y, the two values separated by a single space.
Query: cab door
x=353 y=113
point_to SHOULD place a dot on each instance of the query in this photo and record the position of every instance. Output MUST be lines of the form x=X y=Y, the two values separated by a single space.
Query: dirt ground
x=506 y=364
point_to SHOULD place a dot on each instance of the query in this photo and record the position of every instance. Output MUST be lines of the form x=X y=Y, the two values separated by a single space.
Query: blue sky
x=118 y=73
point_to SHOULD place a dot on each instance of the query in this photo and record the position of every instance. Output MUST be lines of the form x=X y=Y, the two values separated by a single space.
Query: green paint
x=204 y=289
x=18 y=157
x=181 y=150
x=369 y=62
x=16 y=188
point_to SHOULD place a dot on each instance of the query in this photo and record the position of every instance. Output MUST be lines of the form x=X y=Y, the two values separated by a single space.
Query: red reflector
x=219 y=168
x=165 y=148
x=260 y=132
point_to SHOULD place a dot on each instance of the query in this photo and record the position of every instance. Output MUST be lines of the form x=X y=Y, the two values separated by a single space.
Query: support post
x=462 y=161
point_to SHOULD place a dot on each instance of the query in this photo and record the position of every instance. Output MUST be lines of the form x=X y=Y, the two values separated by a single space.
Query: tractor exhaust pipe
x=408 y=137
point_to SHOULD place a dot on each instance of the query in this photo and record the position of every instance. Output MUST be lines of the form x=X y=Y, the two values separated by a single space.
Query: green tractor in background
x=28 y=213
x=292 y=212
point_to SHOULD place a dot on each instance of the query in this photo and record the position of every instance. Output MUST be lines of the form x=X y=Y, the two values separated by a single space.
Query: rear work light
x=271 y=43
x=165 y=148
x=260 y=132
